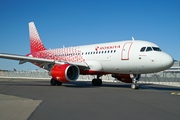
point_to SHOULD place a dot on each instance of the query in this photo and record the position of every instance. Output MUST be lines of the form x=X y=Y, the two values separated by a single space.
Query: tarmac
x=18 y=108
x=23 y=99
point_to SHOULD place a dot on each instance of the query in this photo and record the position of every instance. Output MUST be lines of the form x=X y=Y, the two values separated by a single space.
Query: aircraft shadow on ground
x=123 y=85
x=89 y=85
x=70 y=85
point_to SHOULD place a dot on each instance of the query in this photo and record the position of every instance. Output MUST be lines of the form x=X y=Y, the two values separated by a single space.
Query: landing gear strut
x=135 y=79
x=54 y=82
x=97 y=81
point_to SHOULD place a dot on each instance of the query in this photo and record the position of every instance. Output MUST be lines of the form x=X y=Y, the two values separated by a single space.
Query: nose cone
x=167 y=61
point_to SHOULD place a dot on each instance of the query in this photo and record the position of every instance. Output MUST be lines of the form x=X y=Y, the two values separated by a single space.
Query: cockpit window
x=149 y=49
x=142 y=49
x=156 y=49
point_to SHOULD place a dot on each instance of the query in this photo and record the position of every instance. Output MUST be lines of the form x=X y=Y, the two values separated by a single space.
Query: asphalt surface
x=36 y=99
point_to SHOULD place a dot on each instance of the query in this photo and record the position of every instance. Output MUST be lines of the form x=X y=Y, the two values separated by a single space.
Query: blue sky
x=80 y=22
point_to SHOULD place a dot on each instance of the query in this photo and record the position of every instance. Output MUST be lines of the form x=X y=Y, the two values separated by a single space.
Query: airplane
x=125 y=60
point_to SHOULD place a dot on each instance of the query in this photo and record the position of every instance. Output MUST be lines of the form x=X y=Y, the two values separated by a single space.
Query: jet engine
x=127 y=78
x=65 y=72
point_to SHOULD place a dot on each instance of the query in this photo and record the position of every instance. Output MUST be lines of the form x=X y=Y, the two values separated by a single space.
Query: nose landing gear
x=135 y=78
x=135 y=85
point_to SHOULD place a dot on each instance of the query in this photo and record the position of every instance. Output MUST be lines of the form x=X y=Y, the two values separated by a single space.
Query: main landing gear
x=135 y=79
x=97 y=81
x=54 y=82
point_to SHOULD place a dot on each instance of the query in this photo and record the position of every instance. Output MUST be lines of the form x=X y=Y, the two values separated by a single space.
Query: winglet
x=132 y=38
x=35 y=41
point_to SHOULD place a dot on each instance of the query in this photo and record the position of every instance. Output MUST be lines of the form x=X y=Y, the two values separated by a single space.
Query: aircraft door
x=125 y=51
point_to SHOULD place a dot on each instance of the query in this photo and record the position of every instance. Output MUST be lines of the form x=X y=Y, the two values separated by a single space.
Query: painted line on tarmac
x=175 y=93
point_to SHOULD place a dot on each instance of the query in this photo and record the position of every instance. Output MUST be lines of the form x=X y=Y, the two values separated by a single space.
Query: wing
x=41 y=62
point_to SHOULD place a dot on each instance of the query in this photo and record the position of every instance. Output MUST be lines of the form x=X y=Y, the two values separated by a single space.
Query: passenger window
x=149 y=49
x=142 y=49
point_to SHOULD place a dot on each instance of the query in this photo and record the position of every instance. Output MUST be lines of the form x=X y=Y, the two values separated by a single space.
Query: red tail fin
x=35 y=41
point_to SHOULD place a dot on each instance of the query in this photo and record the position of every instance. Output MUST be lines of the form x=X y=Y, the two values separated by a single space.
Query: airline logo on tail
x=35 y=40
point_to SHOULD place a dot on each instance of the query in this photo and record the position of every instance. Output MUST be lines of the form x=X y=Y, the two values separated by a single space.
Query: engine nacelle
x=65 y=72
x=127 y=78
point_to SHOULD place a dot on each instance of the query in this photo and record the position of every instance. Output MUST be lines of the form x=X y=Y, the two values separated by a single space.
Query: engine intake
x=65 y=72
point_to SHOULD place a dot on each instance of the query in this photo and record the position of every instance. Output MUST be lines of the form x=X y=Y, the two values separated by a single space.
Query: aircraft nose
x=167 y=61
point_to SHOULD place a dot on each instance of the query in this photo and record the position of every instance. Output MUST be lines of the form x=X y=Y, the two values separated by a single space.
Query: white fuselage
x=122 y=57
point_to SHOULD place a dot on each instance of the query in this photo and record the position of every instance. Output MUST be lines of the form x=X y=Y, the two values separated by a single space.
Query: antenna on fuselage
x=132 y=38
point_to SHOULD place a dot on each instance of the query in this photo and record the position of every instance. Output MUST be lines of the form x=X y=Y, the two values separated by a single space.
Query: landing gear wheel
x=99 y=82
x=53 y=82
x=135 y=86
x=59 y=83
x=96 y=82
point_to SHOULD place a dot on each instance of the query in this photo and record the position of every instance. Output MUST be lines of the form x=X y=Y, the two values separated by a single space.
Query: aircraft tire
x=135 y=86
x=53 y=82
x=59 y=83
x=96 y=82
x=99 y=82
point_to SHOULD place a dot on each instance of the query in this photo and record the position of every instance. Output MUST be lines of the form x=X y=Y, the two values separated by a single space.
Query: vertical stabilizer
x=35 y=41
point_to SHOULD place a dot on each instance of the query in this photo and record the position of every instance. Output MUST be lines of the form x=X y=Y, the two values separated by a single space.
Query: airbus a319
x=124 y=60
